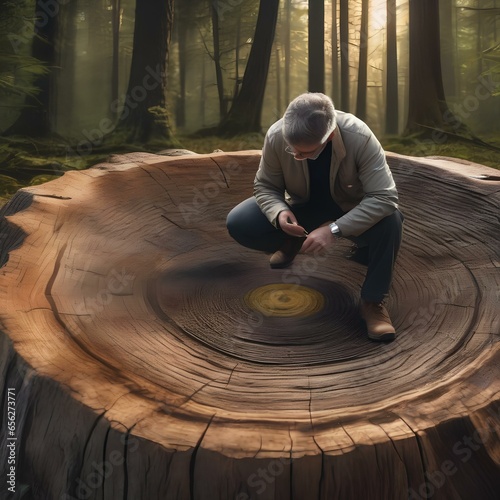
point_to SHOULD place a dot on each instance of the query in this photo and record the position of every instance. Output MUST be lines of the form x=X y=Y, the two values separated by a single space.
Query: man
x=322 y=176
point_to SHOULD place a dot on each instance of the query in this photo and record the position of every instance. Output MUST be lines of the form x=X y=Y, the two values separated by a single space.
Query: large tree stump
x=151 y=357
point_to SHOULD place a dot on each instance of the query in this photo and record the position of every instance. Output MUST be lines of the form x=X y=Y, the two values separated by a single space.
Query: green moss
x=42 y=179
x=8 y=186
x=208 y=144
x=412 y=146
x=25 y=161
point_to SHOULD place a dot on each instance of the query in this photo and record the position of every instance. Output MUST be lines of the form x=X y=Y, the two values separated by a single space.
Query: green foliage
x=160 y=117
x=8 y=185
x=18 y=67
x=17 y=74
x=5 y=153
x=26 y=159
x=492 y=56
x=25 y=163
x=41 y=179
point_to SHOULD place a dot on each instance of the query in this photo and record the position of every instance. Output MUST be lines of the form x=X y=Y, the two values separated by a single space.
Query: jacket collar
x=338 y=148
x=338 y=153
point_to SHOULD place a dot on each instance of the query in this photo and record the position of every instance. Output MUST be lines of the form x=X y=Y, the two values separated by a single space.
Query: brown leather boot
x=377 y=321
x=285 y=255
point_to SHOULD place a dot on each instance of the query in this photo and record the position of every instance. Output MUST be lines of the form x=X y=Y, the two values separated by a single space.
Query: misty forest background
x=80 y=79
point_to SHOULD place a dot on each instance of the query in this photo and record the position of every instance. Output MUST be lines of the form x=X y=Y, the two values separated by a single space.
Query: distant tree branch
x=470 y=140
x=205 y=45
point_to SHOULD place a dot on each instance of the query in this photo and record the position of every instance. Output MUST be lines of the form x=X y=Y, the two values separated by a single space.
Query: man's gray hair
x=309 y=119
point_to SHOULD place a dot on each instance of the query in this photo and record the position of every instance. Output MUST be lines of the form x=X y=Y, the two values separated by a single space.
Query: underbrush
x=27 y=162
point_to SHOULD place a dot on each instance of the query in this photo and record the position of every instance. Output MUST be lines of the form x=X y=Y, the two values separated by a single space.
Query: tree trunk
x=144 y=116
x=316 y=45
x=391 y=88
x=448 y=46
x=115 y=70
x=287 y=44
x=335 y=56
x=183 y=18
x=145 y=362
x=237 y=79
x=279 y=111
x=363 y=63
x=479 y=44
x=246 y=111
x=97 y=16
x=36 y=118
x=427 y=102
x=202 y=92
x=344 y=56
x=216 y=58
x=64 y=72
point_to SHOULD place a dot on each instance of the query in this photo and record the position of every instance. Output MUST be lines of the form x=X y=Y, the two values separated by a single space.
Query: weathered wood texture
x=141 y=372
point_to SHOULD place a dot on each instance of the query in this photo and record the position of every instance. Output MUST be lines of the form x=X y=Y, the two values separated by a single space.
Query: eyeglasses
x=306 y=155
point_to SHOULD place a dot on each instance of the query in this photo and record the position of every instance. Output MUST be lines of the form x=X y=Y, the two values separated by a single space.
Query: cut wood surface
x=153 y=357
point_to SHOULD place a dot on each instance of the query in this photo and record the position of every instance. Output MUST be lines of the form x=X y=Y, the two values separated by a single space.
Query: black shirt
x=319 y=178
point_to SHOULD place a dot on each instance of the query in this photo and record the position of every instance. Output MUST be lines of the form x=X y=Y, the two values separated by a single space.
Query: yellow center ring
x=285 y=300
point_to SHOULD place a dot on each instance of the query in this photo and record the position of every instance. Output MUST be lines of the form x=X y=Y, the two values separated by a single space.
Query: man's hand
x=289 y=224
x=318 y=240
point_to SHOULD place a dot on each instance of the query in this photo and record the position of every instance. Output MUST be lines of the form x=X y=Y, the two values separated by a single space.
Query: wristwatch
x=335 y=230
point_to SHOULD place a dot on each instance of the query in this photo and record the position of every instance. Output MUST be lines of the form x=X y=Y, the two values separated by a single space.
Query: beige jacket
x=360 y=180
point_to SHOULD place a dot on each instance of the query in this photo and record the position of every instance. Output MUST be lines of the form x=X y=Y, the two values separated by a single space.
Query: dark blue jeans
x=249 y=227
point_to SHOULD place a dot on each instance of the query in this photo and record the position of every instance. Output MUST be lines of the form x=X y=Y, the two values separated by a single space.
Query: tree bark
x=216 y=58
x=363 y=63
x=64 y=72
x=287 y=48
x=133 y=343
x=279 y=98
x=245 y=113
x=391 y=88
x=335 y=56
x=344 y=56
x=427 y=101
x=448 y=46
x=202 y=92
x=183 y=13
x=316 y=46
x=144 y=116
x=237 y=79
x=115 y=70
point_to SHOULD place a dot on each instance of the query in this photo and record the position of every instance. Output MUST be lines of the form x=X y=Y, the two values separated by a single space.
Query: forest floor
x=26 y=162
